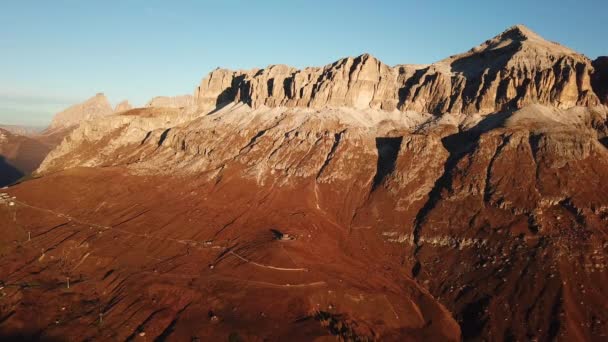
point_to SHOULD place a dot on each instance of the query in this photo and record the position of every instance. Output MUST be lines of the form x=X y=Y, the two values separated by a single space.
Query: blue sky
x=55 y=53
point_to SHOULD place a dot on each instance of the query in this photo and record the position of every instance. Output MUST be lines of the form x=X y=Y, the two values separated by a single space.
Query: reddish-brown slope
x=513 y=235
x=183 y=258
x=504 y=223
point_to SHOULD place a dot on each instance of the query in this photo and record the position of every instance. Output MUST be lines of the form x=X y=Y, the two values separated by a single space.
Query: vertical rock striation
x=509 y=71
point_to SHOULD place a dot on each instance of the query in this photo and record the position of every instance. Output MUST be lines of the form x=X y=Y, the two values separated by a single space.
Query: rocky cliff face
x=92 y=108
x=509 y=71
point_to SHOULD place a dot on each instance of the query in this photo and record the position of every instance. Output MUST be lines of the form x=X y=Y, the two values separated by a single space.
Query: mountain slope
x=423 y=198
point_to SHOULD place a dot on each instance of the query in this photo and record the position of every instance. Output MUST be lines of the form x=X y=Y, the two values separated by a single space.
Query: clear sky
x=56 y=53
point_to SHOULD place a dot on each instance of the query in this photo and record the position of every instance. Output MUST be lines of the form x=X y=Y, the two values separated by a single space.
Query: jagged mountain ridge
x=511 y=70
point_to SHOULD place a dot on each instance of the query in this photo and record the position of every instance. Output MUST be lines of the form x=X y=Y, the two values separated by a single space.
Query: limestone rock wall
x=510 y=71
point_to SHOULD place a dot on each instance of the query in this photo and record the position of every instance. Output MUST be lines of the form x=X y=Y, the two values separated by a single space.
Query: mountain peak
x=527 y=37
x=521 y=36
x=518 y=46
x=513 y=69
x=522 y=31
x=366 y=56
x=93 y=107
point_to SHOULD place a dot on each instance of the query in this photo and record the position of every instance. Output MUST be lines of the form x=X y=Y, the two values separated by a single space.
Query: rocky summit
x=461 y=200
x=511 y=70
x=94 y=107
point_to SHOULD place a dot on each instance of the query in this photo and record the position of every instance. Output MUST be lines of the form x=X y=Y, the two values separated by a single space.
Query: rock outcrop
x=123 y=106
x=95 y=107
x=171 y=101
x=514 y=69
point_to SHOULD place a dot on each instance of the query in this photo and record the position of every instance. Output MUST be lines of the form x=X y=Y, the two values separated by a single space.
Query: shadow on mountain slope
x=8 y=173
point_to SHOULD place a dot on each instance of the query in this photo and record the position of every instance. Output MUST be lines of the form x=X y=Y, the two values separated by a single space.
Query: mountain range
x=464 y=199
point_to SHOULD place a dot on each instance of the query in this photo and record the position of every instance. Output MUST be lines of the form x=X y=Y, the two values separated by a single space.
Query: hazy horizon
x=61 y=53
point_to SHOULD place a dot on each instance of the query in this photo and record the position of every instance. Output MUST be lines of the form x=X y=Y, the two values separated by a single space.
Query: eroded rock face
x=92 y=142
x=209 y=141
x=362 y=82
x=512 y=70
x=92 y=108
x=171 y=101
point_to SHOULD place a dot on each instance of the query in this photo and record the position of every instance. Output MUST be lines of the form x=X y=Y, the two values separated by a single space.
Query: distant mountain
x=23 y=148
x=23 y=130
x=20 y=155
x=94 y=107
